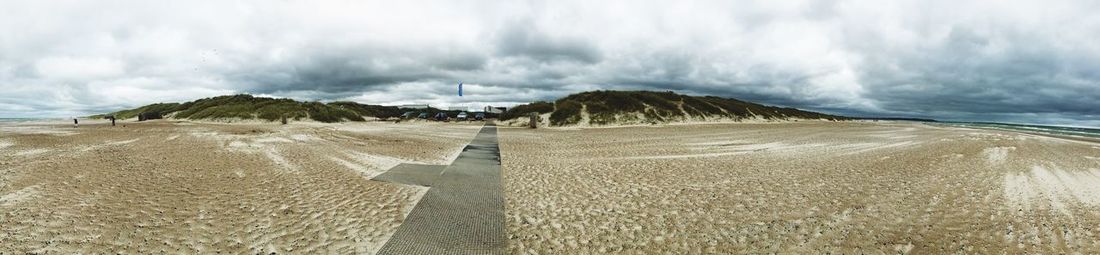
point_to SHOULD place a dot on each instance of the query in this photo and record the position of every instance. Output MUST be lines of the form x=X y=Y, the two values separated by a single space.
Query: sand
x=193 y=187
x=805 y=187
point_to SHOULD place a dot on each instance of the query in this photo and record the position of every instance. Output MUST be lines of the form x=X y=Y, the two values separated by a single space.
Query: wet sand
x=207 y=188
x=805 y=187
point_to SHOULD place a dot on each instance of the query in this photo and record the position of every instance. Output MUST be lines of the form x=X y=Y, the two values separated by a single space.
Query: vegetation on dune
x=271 y=109
x=567 y=113
x=133 y=113
x=613 y=107
x=539 y=107
x=378 y=111
x=594 y=108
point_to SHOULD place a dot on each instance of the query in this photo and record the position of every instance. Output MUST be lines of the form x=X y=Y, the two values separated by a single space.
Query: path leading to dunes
x=463 y=212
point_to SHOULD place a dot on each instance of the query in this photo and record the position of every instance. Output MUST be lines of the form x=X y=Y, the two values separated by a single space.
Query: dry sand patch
x=1053 y=188
x=997 y=154
x=31 y=152
x=366 y=164
x=19 y=195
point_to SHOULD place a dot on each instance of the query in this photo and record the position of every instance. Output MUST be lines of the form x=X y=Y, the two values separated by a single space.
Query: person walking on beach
x=75 y=123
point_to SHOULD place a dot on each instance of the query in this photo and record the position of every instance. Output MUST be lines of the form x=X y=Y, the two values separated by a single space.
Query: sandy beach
x=804 y=187
x=189 y=187
x=550 y=127
x=794 y=187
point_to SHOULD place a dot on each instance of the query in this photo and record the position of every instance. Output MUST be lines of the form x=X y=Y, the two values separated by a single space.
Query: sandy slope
x=205 y=188
x=797 y=188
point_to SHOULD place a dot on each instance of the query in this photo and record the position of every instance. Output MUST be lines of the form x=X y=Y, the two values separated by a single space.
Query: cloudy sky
x=1013 y=61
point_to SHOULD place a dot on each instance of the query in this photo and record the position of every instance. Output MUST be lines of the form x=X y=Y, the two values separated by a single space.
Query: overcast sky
x=1013 y=61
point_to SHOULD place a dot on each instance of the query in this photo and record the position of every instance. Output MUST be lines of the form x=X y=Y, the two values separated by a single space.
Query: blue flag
x=459 y=89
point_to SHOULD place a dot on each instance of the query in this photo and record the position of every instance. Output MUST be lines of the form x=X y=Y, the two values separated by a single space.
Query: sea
x=9 y=120
x=1042 y=129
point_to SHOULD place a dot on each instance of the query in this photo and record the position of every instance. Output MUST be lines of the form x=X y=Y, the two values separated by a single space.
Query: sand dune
x=807 y=187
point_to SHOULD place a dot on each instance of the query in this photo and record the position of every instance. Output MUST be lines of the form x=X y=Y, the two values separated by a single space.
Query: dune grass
x=245 y=106
x=611 y=107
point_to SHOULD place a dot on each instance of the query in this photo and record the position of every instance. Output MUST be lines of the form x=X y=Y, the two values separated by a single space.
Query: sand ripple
x=798 y=188
x=158 y=187
x=1053 y=189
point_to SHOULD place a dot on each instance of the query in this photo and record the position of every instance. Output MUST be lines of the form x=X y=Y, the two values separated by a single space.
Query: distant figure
x=75 y=123
x=112 y=121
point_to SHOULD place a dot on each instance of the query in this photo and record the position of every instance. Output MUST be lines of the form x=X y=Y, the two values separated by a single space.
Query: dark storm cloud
x=523 y=39
x=1017 y=61
x=343 y=72
x=963 y=75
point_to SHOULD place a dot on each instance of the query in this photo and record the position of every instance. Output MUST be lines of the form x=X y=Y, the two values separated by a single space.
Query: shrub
x=567 y=112
x=270 y=109
x=604 y=107
x=611 y=107
x=377 y=111
x=525 y=109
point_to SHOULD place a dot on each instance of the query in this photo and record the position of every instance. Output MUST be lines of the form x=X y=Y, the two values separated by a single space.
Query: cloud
x=523 y=39
x=1018 y=61
x=1015 y=62
x=78 y=69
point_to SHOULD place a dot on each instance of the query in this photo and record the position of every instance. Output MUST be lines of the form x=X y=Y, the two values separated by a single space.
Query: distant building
x=413 y=106
x=491 y=109
x=458 y=108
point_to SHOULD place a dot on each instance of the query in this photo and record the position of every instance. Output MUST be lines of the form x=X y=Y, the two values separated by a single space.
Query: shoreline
x=1076 y=138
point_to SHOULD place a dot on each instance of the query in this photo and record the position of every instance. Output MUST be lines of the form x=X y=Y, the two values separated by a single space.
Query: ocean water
x=1054 y=130
x=17 y=122
x=26 y=119
x=16 y=119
